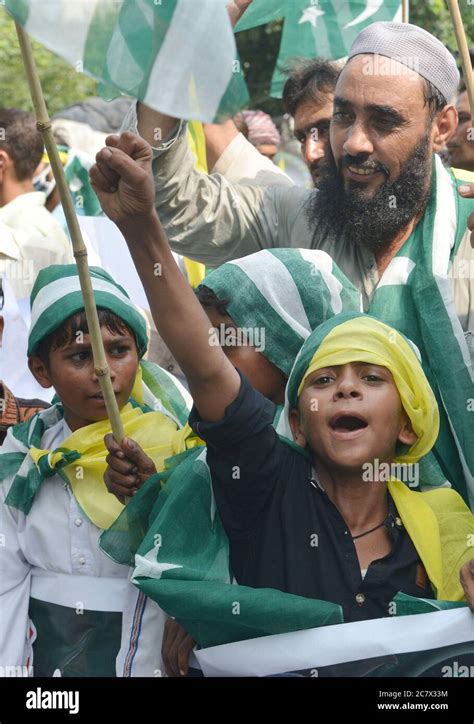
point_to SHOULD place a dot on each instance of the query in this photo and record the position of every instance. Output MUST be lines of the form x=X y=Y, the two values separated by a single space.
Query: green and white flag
x=316 y=28
x=177 y=56
x=327 y=29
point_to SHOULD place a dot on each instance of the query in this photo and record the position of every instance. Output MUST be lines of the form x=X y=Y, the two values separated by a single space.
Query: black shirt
x=284 y=532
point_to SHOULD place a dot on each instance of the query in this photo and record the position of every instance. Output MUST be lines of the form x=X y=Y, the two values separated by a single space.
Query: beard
x=373 y=221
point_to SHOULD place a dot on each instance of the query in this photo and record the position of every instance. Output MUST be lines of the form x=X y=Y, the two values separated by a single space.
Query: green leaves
x=62 y=85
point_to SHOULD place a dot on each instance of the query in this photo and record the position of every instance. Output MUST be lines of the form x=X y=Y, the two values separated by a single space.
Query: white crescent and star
x=372 y=7
x=312 y=13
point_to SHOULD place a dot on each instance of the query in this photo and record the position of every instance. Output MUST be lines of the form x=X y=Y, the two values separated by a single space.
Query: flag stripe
x=168 y=82
x=50 y=21
x=330 y=645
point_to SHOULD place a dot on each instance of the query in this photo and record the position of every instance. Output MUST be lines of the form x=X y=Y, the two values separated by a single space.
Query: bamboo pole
x=80 y=252
x=404 y=11
x=463 y=52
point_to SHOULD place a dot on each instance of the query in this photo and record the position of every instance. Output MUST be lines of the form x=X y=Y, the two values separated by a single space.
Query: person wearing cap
x=259 y=129
x=61 y=598
x=387 y=212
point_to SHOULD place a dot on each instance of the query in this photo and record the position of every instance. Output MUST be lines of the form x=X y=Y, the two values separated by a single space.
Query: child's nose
x=349 y=386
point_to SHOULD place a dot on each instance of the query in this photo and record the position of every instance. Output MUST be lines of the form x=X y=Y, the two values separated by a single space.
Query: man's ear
x=5 y=163
x=444 y=127
x=407 y=435
x=40 y=371
x=296 y=428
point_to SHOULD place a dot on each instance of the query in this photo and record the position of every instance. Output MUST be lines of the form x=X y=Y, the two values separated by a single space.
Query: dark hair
x=20 y=139
x=66 y=333
x=434 y=99
x=308 y=80
x=208 y=298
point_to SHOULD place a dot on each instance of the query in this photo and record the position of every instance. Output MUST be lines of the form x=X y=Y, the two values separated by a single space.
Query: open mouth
x=361 y=171
x=347 y=423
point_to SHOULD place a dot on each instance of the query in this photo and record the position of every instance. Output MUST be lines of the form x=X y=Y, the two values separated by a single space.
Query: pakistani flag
x=317 y=28
x=177 y=56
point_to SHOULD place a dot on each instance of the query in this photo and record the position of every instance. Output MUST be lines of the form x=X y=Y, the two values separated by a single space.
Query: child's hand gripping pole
x=128 y=467
x=79 y=248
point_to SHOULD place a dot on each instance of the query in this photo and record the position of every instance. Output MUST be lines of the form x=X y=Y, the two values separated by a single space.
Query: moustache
x=363 y=162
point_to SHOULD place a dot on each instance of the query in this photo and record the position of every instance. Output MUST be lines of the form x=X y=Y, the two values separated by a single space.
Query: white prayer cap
x=414 y=47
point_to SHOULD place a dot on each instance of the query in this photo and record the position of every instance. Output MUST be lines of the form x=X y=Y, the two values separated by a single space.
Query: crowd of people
x=318 y=336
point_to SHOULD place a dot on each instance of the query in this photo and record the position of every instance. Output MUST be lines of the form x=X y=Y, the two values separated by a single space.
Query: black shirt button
x=360 y=599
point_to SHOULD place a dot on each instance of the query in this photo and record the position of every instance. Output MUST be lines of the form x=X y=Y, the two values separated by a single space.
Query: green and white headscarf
x=287 y=292
x=57 y=295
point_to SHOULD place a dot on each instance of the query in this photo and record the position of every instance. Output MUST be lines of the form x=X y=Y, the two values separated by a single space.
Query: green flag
x=326 y=29
x=316 y=28
x=177 y=56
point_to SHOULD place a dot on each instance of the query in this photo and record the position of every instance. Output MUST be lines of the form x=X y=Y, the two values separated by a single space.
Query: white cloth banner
x=329 y=645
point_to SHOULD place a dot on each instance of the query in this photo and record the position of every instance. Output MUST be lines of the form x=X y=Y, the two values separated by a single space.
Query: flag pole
x=43 y=124
x=463 y=52
x=404 y=11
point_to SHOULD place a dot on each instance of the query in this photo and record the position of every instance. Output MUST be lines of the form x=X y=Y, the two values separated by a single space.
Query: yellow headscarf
x=361 y=338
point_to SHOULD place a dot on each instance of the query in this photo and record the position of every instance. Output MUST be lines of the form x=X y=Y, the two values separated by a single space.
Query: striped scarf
x=415 y=297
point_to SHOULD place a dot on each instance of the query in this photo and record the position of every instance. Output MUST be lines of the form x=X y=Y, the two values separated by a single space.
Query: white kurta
x=51 y=554
x=30 y=240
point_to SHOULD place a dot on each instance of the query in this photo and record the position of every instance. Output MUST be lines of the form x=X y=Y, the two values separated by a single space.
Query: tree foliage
x=62 y=85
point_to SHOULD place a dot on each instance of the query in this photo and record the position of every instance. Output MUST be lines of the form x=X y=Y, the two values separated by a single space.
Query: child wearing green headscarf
x=302 y=522
x=61 y=598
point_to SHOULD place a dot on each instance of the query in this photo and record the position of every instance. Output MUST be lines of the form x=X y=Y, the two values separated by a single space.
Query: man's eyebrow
x=380 y=109
x=387 y=111
x=342 y=102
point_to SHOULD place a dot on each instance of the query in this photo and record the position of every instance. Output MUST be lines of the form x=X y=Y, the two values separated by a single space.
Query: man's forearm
x=153 y=126
x=218 y=137
x=205 y=217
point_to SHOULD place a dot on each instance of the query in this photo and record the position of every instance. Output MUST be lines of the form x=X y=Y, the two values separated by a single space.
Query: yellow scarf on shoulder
x=441 y=527
x=153 y=431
